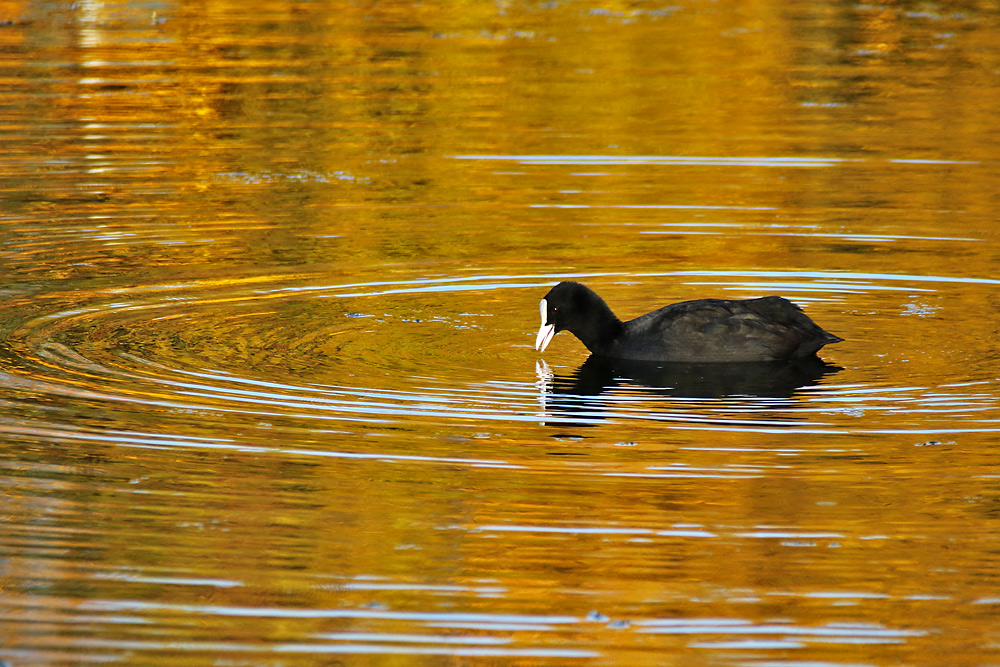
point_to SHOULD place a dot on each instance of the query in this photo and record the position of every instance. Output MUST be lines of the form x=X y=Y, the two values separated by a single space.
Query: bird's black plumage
x=770 y=328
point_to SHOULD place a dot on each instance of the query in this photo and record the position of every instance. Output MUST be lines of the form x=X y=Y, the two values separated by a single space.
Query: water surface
x=270 y=286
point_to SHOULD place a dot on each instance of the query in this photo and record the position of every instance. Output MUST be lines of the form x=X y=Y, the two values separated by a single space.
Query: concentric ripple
x=429 y=348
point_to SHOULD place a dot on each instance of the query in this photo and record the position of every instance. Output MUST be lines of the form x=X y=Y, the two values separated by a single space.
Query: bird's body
x=707 y=330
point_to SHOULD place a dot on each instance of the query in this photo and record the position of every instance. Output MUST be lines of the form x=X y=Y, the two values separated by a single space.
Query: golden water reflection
x=271 y=274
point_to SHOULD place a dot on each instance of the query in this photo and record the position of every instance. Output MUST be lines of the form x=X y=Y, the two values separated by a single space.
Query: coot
x=770 y=328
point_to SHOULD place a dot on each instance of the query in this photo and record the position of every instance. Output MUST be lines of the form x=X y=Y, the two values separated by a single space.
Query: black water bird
x=770 y=328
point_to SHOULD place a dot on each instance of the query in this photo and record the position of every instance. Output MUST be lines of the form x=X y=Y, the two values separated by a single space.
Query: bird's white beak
x=547 y=331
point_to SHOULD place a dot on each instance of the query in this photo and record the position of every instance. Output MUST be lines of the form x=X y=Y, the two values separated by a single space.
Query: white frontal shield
x=546 y=332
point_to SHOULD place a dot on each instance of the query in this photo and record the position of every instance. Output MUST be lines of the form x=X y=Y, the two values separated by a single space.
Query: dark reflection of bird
x=704 y=331
x=770 y=379
x=602 y=388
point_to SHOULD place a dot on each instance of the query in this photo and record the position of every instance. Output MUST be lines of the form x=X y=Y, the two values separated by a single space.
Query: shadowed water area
x=270 y=285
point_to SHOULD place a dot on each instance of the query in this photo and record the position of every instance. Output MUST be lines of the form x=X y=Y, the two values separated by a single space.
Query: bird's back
x=768 y=328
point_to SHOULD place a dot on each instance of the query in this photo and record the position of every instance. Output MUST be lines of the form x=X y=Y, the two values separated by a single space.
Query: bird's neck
x=601 y=330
